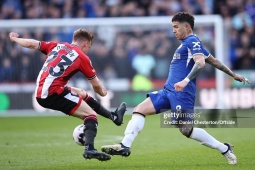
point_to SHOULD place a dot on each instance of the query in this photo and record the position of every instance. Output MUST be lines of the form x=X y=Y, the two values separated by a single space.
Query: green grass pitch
x=32 y=143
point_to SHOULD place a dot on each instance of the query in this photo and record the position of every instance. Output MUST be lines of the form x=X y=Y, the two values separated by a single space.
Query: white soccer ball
x=78 y=135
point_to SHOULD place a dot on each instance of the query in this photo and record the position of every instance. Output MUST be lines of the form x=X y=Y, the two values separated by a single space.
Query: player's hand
x=240 y=78
x=180 y=85
x=103 y=92
x=13 y=36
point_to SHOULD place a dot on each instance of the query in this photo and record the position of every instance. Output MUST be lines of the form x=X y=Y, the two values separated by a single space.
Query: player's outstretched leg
x=116 y=117
x=229 y=154
x=206 y=139
x=134 y=126
x=117 y=149
x=94 y=154
x=119 y=113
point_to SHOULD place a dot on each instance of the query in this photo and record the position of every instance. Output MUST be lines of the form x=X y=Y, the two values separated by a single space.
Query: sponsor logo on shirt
x=196 y=45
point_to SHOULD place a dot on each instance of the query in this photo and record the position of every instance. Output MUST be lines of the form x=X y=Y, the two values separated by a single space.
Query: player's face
x=179 y=30
x=87 y=46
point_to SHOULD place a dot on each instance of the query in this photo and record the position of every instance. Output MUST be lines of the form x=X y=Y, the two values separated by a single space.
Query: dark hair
x=83 y=34
x=184 y=17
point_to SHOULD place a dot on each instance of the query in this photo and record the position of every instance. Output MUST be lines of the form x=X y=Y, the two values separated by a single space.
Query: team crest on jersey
x=176 y=56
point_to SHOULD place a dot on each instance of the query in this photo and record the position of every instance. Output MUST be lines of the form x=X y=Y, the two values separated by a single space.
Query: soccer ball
x=78 y=135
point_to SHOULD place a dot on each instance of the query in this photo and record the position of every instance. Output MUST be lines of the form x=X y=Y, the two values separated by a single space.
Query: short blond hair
x=83 y=34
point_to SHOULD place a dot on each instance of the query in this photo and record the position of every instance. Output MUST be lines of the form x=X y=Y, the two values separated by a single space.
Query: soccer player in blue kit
x=179 y=91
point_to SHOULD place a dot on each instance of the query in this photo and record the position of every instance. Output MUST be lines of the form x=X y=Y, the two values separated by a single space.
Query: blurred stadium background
x=130 y=59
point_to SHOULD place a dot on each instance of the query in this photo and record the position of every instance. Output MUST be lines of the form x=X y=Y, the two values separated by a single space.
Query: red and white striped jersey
x=63 y=60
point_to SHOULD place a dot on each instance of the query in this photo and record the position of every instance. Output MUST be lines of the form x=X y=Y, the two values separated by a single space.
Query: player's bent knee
x=79 y=92
x=136 y=109
x=139 y=110
x=186 y=130
x=82 y=93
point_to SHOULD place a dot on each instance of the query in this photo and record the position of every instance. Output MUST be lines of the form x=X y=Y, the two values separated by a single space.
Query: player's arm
x=28 y=43
x=98 y=87
x=219 y=65
x=197 y=68
x=195 y=71
x=88 y=70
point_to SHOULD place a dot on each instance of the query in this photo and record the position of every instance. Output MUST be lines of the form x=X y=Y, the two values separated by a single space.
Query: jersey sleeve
x=46 y=47
x=196 y=47
x=87 y=68
x=206 y=53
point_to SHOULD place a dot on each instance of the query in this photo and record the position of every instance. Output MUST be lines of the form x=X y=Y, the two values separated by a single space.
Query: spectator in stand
x=102 y=58
x=6 y=71
x=11 y=9
x=234 y=41
x=162 y=63
x=250 y=8
x=245 y=61
x=143 y=62
x=122 y=64
x=241 y=28
x=241 y=19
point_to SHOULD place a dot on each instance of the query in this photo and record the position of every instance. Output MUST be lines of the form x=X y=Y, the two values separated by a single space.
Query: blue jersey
x=183 y=62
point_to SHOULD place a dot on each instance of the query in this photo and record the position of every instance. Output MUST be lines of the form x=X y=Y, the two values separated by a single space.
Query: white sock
x=206 y=139
x=135 y=125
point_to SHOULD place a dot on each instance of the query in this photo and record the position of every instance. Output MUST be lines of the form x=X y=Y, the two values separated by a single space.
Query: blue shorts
x=175 y=102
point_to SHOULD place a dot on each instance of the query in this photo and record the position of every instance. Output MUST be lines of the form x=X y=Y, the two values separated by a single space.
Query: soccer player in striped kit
x=63 y=60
